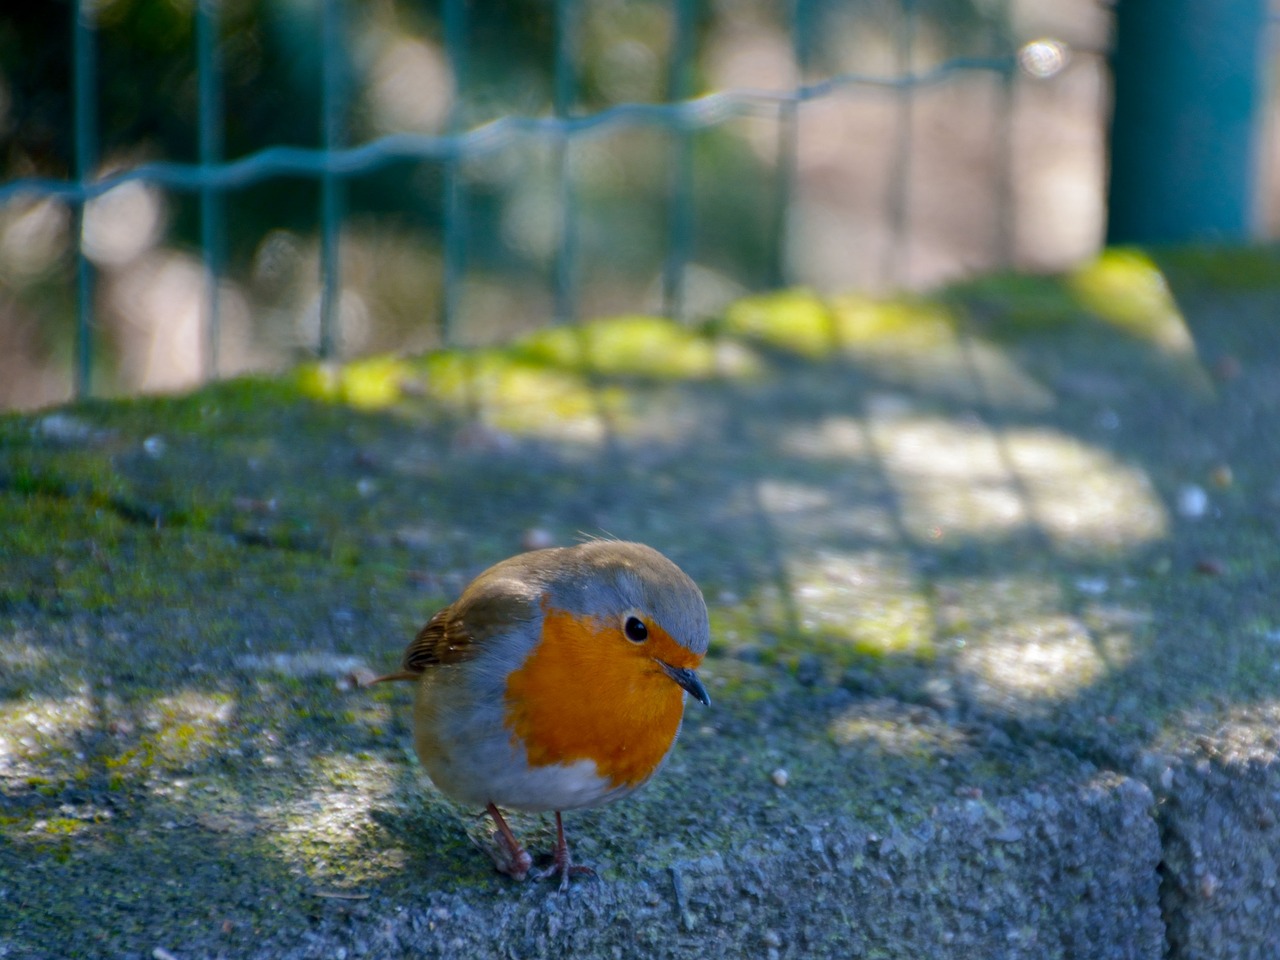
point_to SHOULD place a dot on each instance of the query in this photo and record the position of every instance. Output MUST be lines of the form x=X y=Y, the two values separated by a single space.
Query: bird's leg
x=563 y=865
x=509 y=857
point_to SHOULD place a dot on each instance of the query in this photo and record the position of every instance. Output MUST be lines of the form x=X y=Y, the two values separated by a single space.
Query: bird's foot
x=508 y=856
x=562 y=864
x=564 y=872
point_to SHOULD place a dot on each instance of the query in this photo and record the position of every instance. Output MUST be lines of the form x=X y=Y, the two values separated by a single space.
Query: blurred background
x=523 y=162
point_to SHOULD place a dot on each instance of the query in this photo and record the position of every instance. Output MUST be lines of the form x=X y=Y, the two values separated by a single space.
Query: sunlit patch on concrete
x=547 y=383
x=779 y=497
x=1117 y=631
x=968 y=608
x=831 y=438
x=317 y=664
x=172 y=733
x=800 y=322
x=1082 y=497
x=949 y=476
x=867 y=602
x=35 y=726
x=185 y=726
x=1038 y=659
x=963 y=477
x=1015 y=646
x=1127 y=289
x=369 y=384
x=633 y=346
x=894 y=728
x=19 y=656
x=328 y=833
x=522 y=396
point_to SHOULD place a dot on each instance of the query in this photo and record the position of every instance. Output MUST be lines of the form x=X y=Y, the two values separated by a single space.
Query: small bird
x=556 y=681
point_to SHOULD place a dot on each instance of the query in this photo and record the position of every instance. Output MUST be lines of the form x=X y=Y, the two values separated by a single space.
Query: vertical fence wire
x=209 y=83
x=680 y=214
x=455 y=215
x=565 y=83
x=333 y=112
x=84 y=84
x=1002 y=170
x=777 y=273
x=897 y=262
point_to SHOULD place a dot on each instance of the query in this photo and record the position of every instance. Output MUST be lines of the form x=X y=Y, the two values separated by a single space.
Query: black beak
x=687 y=679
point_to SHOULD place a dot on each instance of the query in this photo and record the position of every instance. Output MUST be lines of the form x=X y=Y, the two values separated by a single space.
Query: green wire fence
x=337 y=162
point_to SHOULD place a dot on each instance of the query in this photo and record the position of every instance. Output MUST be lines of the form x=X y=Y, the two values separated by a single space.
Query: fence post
x=1185 y=125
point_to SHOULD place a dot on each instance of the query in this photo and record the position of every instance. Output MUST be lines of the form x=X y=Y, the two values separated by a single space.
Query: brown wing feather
x=444 y=639
x=458 y=632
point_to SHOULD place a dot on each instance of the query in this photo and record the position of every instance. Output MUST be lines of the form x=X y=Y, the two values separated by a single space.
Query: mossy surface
x=948 y=544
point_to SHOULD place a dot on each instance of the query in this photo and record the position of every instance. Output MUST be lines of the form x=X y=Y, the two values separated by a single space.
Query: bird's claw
x=507 y=855
x=564 y=872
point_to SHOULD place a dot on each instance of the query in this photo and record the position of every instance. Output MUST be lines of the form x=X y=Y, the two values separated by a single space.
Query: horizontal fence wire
x=697 y=113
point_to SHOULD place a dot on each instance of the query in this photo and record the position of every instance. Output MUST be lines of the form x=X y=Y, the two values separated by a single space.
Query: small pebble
x=1093 y=586
x=1192 y=502
x=155 y=447
x=780 y=777
x=1227 y=367
x=366 y=486
x=1209 y=884
x=65 y=428
x=1221 y=476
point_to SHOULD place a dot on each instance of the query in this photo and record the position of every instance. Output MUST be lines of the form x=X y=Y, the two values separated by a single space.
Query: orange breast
x=585 y=693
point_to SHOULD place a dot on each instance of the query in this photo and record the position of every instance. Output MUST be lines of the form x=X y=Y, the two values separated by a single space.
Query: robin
x=556 y=681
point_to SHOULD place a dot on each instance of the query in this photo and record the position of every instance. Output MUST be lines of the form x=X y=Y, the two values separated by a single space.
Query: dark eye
x=635 y=630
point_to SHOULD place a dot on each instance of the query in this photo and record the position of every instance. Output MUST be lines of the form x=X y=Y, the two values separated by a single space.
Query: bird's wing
x=459 y=631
